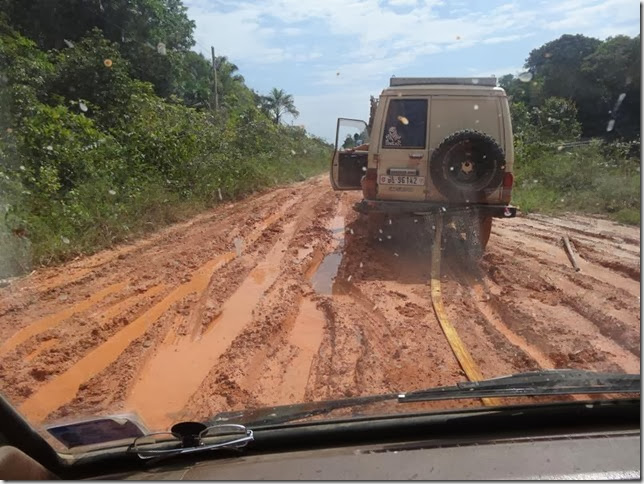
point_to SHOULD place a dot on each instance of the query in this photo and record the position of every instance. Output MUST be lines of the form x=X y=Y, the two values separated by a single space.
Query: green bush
x=91 y=157
x=592 y=178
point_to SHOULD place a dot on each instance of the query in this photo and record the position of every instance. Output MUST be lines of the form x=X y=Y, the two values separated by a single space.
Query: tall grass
x=596 y=178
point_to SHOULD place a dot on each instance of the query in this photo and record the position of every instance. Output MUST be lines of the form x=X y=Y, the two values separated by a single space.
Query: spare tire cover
x=467 y=164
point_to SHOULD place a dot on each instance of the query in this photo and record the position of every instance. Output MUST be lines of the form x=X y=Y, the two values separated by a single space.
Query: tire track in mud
x=63 y=388
x=251 y=371
x=557 y=310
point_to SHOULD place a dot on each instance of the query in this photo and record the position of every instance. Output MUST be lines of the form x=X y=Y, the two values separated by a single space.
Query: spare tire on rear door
x=467 y=164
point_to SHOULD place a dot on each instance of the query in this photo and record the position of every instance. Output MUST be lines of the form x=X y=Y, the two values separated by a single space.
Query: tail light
x=506 y=194
x=369 y=184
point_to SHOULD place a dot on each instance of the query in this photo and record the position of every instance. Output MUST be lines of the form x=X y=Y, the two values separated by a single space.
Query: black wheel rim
x=468 y=165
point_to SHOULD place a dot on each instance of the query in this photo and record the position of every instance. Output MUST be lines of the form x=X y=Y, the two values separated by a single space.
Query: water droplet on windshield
x=476 y=107
x=525 y=76
x=388 y=237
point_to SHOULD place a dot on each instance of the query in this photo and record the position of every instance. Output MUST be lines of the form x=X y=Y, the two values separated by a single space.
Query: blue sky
x=332 y=54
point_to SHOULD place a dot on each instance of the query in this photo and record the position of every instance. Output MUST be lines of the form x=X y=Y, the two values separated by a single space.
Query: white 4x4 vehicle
x=432 y=144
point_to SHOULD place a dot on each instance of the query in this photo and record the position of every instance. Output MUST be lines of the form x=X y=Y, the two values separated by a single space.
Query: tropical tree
x=278 y=103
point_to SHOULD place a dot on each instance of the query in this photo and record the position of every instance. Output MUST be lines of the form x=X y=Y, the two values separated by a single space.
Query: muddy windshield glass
x=214 y=207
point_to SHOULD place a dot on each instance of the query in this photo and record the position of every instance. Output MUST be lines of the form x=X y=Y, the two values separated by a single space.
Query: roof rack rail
x=459 y=81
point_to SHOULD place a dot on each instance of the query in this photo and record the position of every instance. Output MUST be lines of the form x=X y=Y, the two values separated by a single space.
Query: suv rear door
x=349 y=164
x=402 y=149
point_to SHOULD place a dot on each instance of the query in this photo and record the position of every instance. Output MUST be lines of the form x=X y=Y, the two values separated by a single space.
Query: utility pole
x=214 y=70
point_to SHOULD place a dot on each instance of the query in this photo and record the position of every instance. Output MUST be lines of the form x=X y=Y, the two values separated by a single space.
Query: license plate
x=401 y=180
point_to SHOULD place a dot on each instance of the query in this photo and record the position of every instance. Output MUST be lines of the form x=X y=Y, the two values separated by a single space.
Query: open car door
x=350 y=155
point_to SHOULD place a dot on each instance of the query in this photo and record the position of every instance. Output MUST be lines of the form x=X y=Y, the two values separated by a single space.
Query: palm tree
x=278 y=103
x=227 y=70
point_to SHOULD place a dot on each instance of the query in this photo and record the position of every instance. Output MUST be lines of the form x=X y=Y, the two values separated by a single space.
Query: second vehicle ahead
x=432 y=144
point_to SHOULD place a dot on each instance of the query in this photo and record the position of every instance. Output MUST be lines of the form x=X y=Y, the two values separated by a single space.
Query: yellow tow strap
x=462 y=355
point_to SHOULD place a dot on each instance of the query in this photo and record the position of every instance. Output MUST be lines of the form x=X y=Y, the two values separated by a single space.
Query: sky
x=331 y=55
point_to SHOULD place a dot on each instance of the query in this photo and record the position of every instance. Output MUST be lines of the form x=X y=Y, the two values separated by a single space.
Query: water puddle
x=63 y=388
x=53 y=319
x=323 y=278
x=176 y=371
x=42 y=347
x=306 y=336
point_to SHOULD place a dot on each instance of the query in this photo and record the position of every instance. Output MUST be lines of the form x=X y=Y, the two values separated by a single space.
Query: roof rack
x=459 y=81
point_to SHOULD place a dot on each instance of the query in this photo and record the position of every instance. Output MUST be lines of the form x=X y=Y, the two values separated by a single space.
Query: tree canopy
x=592 y=74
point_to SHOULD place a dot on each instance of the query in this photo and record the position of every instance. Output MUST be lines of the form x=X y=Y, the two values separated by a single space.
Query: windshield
x=187 y=229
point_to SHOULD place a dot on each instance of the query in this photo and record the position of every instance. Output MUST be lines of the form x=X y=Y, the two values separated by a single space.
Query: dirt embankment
x=285 y=298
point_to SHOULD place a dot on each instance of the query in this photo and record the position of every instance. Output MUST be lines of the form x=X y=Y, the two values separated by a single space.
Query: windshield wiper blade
x=550 y=382
x=534 y=383
x=288 y=413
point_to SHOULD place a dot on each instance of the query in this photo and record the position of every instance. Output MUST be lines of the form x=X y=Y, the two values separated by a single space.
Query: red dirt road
x=284 y=298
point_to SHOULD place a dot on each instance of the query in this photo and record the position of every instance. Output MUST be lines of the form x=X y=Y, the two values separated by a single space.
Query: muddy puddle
x=324 y=277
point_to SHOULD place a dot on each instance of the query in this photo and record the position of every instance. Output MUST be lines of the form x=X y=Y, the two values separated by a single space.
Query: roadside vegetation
x=576 y=120
x=110 y=128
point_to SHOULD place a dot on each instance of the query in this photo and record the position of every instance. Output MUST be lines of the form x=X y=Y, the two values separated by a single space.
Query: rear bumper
x=418 y=208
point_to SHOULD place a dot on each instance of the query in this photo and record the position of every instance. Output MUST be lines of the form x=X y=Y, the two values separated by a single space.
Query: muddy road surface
x=284 y=297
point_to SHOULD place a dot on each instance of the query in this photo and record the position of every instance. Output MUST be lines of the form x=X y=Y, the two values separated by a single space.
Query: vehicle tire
x=467 y=164
x=467 y=235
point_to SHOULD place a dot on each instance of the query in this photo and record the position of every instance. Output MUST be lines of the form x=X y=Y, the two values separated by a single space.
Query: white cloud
x=403 y=3
x=594 y=18
x=359 y=43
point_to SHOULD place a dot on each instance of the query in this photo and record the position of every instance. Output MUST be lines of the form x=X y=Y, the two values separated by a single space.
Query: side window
x=405 y=124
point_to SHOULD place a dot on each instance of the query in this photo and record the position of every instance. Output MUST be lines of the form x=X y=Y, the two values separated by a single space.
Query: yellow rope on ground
x=462 y=355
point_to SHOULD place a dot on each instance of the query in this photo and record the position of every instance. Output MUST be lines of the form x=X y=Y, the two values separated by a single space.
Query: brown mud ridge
x=285 y=298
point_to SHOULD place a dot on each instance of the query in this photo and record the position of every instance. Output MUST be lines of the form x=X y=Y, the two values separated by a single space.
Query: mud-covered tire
x=467 y=235
x=466 y=165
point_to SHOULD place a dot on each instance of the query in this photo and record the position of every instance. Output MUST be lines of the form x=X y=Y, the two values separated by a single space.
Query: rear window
x=406 y=124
